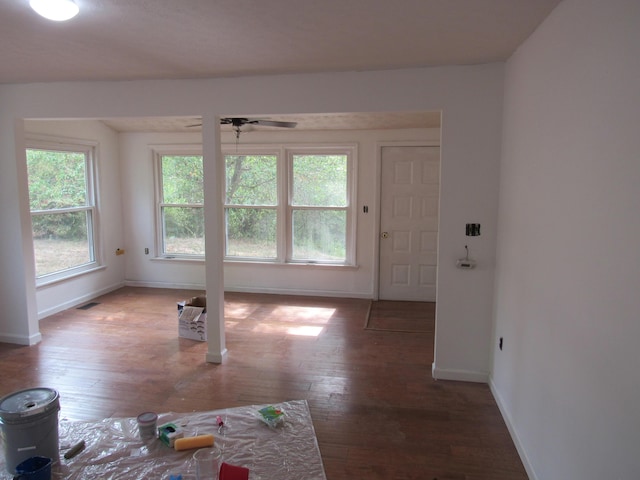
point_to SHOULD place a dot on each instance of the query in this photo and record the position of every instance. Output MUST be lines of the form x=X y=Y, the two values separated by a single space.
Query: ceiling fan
x=238 y=122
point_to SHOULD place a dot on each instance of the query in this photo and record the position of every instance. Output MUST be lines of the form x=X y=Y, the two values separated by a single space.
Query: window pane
x=61 y=241
x=56 y=179
x=320 y=180
x=182 y=179
x=183 y=230
x=319 y=235
x=251 y=232
x=251 y=179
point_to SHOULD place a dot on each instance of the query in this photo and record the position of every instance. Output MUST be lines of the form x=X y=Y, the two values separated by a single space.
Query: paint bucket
x=29 y=421
x=147 y=423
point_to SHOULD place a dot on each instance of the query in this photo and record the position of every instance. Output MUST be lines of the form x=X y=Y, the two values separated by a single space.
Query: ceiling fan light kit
x=56 y=10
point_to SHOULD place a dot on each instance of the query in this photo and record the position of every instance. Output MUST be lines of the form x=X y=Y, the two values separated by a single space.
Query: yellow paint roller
x=199 y=441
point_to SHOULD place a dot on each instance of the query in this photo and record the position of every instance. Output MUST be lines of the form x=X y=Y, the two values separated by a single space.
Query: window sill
x=178 y=259
x=314 y=265
x=54 y=279
x=260 y=263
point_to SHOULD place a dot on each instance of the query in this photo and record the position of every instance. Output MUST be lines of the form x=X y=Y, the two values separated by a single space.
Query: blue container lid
x=27 y=404
x=34 y=465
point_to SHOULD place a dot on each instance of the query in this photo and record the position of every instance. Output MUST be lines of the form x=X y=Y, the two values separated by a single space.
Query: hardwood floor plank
x=377 y=412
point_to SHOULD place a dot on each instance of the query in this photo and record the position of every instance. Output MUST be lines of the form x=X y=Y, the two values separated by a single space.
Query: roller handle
x=198 y=441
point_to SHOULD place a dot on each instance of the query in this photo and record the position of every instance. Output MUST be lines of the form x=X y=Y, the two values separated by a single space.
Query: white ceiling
x=155 y=39
x=142 y=39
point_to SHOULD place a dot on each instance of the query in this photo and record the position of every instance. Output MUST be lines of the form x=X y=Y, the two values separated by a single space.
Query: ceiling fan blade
x=238 y=122
x=273 y=123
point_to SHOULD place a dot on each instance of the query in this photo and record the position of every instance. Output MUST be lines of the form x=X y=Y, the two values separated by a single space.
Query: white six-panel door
x=409 y=193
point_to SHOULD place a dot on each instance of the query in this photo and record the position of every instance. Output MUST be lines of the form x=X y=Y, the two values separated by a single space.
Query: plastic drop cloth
x=114 y=449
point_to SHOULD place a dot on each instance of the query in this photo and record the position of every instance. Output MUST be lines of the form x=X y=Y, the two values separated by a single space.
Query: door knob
x=384 y=235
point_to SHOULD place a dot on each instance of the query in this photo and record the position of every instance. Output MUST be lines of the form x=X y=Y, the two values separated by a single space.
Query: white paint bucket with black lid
x=29 y=421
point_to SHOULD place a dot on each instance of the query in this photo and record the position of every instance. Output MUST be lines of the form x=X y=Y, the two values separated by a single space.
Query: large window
x=251 y=206
x=281 y=204
x=63 y=209
x=290 y=206
x=180 y=205
x=318 y=207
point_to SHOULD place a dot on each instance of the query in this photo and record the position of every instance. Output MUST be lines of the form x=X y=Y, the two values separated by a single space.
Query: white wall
x=138 y=193
x=568 y=268
x=57 y=296
x=138 y=188
x=469 y=97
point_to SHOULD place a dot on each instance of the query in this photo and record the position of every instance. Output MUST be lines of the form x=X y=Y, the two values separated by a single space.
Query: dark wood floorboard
x=377 y=412
x=401 y=316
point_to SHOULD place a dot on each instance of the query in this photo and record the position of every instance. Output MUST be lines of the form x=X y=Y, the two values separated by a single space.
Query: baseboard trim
x=459 y=375
x=265 y=290
x=21 y=339
x=78 y=301
x=302 y=293
x=512 y=431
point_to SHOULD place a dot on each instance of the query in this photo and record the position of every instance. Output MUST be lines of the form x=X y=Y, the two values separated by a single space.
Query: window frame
x=350 y=153
x=158 y=152
x=90 y=151
x=284 y=209
x=257 y=151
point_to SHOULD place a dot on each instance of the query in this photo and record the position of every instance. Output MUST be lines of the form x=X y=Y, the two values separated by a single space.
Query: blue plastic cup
x=34 y=468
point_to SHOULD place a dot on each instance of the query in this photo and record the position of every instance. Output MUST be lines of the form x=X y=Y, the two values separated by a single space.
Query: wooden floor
x=376 y=410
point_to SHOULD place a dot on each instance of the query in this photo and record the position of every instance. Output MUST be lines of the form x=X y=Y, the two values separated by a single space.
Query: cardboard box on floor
x=192 y=318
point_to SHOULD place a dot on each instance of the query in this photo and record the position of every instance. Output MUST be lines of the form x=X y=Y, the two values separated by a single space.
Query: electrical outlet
x=146 y=251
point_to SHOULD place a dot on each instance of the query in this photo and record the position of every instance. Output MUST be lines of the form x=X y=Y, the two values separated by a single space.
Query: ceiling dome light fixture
x=56 y=10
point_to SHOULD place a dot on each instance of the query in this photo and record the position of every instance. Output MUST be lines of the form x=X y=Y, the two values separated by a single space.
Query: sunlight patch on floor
x=284 y=319
x=284 y=328
x=302 y=314
x=239 y=310
x=230 y=324
x=305 y=331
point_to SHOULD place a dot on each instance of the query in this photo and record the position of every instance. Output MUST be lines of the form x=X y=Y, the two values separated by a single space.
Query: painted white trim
x=232 y=262
x=72 y=273
x=157 y=152
x=56 y=141
x=459 y=375
x=21 y=339
x=266 y=290
x=216 y=358
x=175 y=286
x=350 y=150
x=78 y=300
x=90 y=150
x=304 y=293
x=528 y=466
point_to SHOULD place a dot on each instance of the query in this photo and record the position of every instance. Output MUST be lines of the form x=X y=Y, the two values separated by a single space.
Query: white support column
x=214 y=235
x=19 y=320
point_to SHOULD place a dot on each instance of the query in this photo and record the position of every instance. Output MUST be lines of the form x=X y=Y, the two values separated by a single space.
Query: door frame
x=378 y=190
